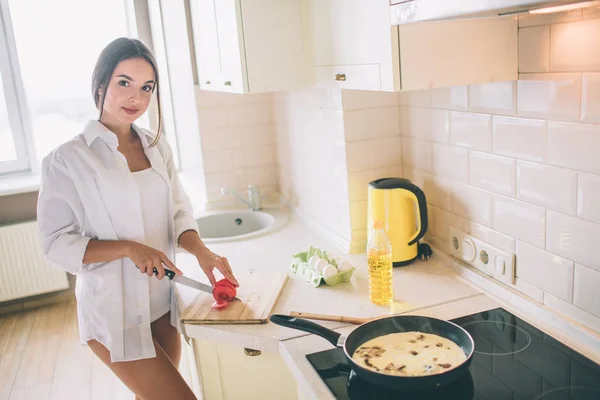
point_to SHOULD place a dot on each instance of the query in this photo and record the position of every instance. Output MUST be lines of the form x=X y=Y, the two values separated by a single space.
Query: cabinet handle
x=251 y=353
x=340 y=77
x=227 y=83
x=207 y=83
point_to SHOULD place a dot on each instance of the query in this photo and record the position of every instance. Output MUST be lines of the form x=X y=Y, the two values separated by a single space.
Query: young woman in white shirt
x=111 y=209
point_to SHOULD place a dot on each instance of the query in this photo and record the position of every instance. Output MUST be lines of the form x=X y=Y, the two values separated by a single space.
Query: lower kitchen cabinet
x=229 y=372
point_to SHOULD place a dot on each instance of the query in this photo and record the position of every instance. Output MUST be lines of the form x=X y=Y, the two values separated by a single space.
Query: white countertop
x=420 y=285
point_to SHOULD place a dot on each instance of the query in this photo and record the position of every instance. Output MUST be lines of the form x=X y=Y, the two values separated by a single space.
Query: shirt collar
x=95 y=129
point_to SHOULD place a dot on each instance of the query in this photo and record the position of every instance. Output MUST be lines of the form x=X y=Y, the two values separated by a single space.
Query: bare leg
x=150 y=378
x=167 y=336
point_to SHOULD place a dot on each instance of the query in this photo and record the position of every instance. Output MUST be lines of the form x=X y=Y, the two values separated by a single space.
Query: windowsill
x=19 y=183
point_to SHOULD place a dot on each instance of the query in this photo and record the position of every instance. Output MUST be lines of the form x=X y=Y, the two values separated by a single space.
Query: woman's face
x=129 y=91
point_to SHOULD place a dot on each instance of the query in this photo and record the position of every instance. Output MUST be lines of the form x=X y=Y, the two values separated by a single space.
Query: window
x=52 y=47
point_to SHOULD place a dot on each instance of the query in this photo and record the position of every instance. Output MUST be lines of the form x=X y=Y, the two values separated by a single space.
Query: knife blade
x=188 y=282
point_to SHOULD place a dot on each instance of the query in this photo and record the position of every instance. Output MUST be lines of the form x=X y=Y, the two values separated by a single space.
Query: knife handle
x=168 y=272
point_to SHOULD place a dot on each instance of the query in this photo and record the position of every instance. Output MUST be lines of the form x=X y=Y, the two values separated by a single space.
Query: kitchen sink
x=231 y=225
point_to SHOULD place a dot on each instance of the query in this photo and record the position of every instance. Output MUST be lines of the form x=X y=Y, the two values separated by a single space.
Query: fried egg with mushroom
x=409 y=354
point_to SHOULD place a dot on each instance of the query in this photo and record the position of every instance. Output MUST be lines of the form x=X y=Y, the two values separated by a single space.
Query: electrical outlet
x=490 y=260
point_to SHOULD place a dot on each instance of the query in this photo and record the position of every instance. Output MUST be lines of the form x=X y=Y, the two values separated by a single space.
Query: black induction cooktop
x=512 y=360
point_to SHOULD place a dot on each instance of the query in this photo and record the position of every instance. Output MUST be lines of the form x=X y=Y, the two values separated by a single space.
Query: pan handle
x=307 y=326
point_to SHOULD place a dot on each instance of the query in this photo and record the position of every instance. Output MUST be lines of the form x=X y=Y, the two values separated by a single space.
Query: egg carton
x=300 y=266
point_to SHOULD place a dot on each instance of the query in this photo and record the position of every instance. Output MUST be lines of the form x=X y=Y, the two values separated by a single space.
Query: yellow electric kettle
x=399 y=203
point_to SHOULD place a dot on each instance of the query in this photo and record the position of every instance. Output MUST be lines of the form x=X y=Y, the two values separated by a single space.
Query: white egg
x=329 y=270
x=321 y=264
x=344 y=266
x=312 y=262
x=337 y=261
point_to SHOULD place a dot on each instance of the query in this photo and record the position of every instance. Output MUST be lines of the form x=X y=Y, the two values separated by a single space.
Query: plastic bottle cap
x=378 y=224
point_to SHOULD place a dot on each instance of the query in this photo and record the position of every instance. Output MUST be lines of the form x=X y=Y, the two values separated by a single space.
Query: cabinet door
x=231 y=45
x=351 y=33
x=206 y=44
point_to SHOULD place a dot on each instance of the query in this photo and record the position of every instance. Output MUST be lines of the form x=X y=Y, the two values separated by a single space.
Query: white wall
x=516 y=164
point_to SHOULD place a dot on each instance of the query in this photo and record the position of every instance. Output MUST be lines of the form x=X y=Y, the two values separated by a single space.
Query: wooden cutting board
x=258 y=293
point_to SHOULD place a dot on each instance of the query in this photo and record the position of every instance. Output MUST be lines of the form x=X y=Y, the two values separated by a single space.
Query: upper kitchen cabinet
x=352 y=44
x=248 y=46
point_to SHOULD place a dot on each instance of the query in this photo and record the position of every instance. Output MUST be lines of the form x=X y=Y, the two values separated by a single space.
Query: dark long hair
x=118 y=50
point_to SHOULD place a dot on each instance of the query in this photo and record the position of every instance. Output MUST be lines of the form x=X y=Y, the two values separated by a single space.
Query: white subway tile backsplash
x=438 y=191
x=359 y=99
x=574 y=46
x=574 y=146
x=534 y=49
x=217 y=161
x=257 y=134
x=262 y=176
x=497 y=239
x=590 y=97
x=494 y=98
x=425 y=123
x=530 y=290
x=472 y=203
x=416 y=154
x=551 y=273
x=415 y=98
x=574 y=238
x=492 y=172
x=588 y=197
x=450 y=98
x=450 y=162
x=211 y=119
x=572 y=312
x=371 y=123
x=249 y=113
x=443 y=220
x=254 y=156
x=550 y=187
x=520 y=220
x=374 y=153
x=358 y=215
x=587 y=282
x=550 y=96
x=222 y=138
x=358 y=182
x=217 y=180
x=471 y=130
x=519 y=137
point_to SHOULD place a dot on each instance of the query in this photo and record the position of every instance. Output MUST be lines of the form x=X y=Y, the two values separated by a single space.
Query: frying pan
x=384 y=326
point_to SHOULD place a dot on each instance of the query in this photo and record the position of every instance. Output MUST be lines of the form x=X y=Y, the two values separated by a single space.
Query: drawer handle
x=207 y=83
x=227 y=83
x=340 y=77
x=251 y=353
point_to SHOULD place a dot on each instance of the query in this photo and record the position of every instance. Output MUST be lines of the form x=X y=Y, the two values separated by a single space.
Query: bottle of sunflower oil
x=379 y=255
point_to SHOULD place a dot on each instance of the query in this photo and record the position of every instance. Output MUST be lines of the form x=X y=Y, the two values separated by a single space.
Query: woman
x=111 y=209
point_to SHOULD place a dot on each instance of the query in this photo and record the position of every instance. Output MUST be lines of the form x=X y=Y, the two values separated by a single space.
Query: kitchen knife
x=188 y=282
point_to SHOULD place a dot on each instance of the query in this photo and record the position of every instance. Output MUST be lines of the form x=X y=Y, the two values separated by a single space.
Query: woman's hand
x=146 y=259
x=209 y=261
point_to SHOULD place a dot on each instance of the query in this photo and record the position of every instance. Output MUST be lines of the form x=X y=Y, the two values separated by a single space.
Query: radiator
x=23 y=270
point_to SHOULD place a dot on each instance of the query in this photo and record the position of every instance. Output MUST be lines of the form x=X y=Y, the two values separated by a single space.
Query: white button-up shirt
x=88 y=192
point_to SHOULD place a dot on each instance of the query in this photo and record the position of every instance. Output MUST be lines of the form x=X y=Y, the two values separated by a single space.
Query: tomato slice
x=223 y=292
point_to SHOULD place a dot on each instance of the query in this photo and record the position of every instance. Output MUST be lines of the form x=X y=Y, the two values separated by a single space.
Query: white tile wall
x=588 y=197
x=587 y=282
x=550 y=96
x=494 y=98
x=519 y=138
x=590 y=100
x=520 y=220
x=574 y=238
x=550 y=187
x=515 y=163
x=471 y=130
x=492 y=172
x=452 y=98
x=545 y=270
x=574 y=146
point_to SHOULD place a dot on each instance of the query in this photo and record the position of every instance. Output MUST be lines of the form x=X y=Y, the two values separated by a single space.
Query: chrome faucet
x=253 y=196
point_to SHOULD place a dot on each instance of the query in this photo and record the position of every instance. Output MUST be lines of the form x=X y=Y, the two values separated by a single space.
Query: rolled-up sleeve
x=59 y=216
x=184 y=218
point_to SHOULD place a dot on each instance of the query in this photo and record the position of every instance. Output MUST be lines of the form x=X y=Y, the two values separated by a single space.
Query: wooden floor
x=41 y=358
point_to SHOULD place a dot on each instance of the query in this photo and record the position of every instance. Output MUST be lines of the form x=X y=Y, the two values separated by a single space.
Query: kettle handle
x=419 y=198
